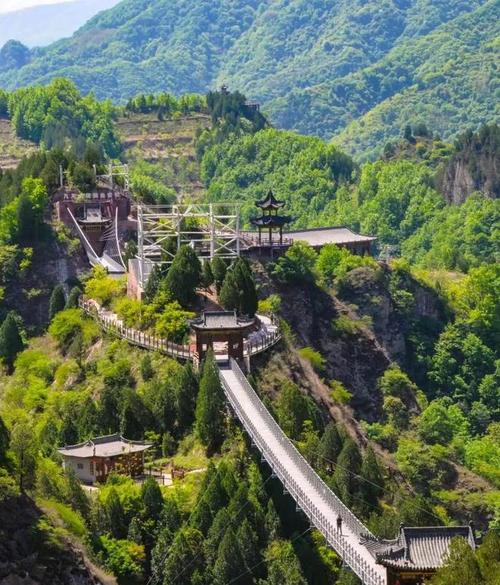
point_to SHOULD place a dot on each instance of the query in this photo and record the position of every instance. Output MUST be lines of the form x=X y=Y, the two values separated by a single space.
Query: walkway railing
x=369 y=573
x=111 y=324
x=134 y=336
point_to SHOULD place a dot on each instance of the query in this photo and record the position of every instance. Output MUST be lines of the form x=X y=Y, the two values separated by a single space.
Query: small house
x=93 y=460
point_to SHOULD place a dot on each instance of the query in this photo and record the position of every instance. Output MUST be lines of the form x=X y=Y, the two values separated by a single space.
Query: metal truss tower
x=211 y=229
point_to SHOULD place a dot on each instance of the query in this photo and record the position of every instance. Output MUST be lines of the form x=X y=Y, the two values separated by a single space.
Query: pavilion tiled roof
x=419 y=549
x=270 y=202
x=221 y=320
x=107 y=446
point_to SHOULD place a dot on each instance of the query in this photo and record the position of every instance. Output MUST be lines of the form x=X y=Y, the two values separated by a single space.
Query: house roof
x=419 y=548
x=108 y=446
x=221 y=320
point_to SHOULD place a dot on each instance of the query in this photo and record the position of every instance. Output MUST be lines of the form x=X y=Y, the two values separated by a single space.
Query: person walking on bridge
x=339 y=524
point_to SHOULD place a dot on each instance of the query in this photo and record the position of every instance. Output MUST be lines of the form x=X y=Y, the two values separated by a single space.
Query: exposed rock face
x=474 y=167
x=364 y=328
x=51 y=265
x=458 y=181
x=29 y=557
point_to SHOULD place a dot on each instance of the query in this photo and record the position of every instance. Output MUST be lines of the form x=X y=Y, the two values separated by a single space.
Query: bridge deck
x=315 y=498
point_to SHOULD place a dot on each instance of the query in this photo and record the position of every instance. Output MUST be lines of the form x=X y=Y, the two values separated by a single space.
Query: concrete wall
x=83 y=472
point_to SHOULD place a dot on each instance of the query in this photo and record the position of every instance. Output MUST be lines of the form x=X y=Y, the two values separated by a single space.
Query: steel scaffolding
x=211 y=229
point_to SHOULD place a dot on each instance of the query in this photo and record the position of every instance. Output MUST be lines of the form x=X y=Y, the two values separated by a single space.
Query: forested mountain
x=40 y=25
x=357 y=71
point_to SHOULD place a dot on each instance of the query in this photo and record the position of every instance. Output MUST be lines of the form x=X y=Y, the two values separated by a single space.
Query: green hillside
x=357 y=71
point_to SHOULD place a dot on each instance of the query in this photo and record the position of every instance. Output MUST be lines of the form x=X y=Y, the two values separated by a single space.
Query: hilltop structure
x=95 y=459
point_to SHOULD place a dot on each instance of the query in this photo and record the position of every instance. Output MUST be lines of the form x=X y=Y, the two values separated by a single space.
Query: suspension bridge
x=311 y=494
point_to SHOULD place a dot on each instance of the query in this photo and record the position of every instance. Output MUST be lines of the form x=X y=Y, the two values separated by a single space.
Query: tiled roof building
x=417 y=553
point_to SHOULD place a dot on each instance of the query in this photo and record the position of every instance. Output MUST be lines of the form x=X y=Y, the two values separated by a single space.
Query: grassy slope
x=12 y=148
x=169 y=143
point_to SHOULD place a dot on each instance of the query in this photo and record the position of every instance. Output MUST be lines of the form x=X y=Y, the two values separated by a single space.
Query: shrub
x=102 y=287
x=313 y=357
x=339 y=392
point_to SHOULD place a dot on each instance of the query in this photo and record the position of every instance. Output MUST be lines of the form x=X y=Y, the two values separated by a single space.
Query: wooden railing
x=149 y=341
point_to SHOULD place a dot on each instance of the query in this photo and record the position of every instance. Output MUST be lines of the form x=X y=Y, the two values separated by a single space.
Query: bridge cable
x=195 y=507
x=230 y=521
x=384 y=489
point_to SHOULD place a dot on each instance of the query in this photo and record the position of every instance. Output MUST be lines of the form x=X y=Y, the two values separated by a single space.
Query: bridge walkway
x=309 y=491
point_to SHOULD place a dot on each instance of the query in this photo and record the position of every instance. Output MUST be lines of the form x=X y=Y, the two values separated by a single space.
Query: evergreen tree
x=348 y=466
x=73 y=298
x=134 y=533
x=347 y=577
x=208 y=276
x=215 y=534
x=229 y=295
x=229 y=561
x=202 y=517
x=24 y=447
x=4 y=441
x=153 y=283
x=88 y=420
x=330 y=447
x=77 y=497
x=185 y=559
x=57 y=301
x=461 y=561
x=116 y=515
x=69 y=429
x=152 y=498
x=186 y=392
x=167 y=445
x=11 y=342
x=283 y=565
x=135 y=417
x=249 y=544
x=159 y=555
x=371 y=485
x=238 y=290
x=210 y=406
x=272 y=522
x=26 y=228
x=219 y=269
x=147 y=371
x=184 y=276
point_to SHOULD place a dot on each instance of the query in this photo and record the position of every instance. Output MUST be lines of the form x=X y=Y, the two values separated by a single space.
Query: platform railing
x=155 y=343
x=369 y=573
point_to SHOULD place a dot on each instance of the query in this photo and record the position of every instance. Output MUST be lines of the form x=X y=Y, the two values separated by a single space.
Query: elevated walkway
x=309 y=491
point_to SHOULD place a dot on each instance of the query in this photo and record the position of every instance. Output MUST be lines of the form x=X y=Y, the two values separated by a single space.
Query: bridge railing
x=134 y=336
x=367 y=572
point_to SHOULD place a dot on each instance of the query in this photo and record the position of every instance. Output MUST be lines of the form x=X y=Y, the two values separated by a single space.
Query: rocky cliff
x=32 y=552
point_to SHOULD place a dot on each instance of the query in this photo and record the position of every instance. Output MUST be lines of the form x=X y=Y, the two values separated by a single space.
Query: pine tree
x=11 y=342
x=184 y=276
x=219 y=269
x=4 y=440
x=73 y=298
x=283 y=565
x=330 y=447
x=229 y=561
x=348 y=466
x=186 y=392
x=88 y=420
x=246 y=285
x=27 y=231
x=229 y=296
x=371 y=485
x=116 y=515
x=249 y=544
x=24 y=447
x=159 y=555
x=152 y=498
x=208 y=275
x=57 y=301
x=185 y=558
x=272 y=522
x=461 y=561
x=215 y=534
x=210 y=406
x=147 y=371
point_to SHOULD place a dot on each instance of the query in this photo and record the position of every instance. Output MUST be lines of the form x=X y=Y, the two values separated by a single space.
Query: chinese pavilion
x=270 y=219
